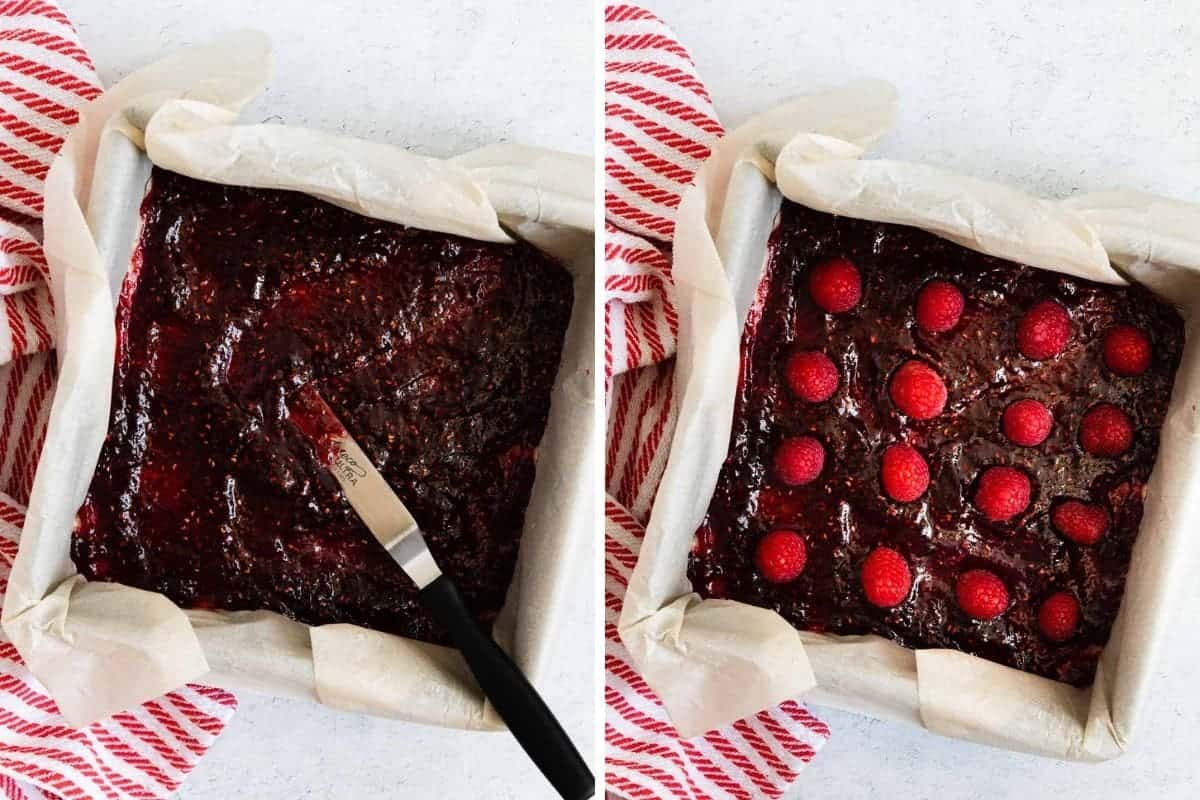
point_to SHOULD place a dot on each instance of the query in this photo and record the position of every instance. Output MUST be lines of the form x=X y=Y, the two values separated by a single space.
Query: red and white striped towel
x=659 y=127
x=45 y=75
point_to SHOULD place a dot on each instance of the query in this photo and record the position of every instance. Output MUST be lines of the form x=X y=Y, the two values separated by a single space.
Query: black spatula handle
x=517 y=702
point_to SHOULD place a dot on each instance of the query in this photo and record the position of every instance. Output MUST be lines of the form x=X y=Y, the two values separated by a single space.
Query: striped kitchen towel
x=45 y=76
x=659 y=127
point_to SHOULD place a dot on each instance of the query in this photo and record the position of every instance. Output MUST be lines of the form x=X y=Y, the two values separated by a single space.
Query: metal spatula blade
x=515 y=700
x=384 y=514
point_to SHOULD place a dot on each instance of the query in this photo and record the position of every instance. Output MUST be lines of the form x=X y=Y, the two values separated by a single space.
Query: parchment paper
x=712 y=671
x=101 y=647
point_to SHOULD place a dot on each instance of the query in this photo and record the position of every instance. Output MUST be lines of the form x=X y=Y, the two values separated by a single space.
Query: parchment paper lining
x=714 y=661
x=99 y=647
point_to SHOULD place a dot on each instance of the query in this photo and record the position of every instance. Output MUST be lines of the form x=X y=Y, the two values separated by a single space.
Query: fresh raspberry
x=799 y=460
x=1058 y=616
x=1002 y=493
x=1106 y=430
x=1082 y=523
x=981 y=594
x=1127 y=351
x=835 y=285
x=811 y=376
x=939 y=306
x=1027 y=423
x=781 y=556
x=904 y=473
x=918 y=391
x=886 y=579
x=1044 y=330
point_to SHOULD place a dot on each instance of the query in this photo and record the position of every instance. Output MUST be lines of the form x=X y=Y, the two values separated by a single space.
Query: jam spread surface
x=938 y=447
x=437 y=352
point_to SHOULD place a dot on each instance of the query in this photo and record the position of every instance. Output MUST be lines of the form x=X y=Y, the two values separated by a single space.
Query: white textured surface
x=441 y=79
x=1104 y=94
x=1095 y=95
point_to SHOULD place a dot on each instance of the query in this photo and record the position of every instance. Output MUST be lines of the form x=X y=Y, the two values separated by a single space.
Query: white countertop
x=1099 y=97
x=441 y=79
x=1054 y=102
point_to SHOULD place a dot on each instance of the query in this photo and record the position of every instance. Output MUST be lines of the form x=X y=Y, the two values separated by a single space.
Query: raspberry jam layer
x=844 y=513
x=437 y=352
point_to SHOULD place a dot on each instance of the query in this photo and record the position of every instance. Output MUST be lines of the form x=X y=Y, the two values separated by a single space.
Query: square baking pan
x=869 y=674
x=264 y=651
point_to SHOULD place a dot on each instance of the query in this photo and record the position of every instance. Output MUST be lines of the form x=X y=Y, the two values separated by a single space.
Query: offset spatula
x=517 y=702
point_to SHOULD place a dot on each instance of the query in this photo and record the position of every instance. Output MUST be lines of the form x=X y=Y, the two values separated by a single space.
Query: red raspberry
x=886 y=579
x=1127 y=351
x=835 y=285
x=1002 y=493
x=811 y=376
x=981 y=594
x=918 y=391
x=1044 y=330
x=939 y=306
x=904 y=473
x=1058 y=616
x=799 y=460
x=1082 y=523
x=1027 y=423
x=781 y=556
x=1106 y=430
